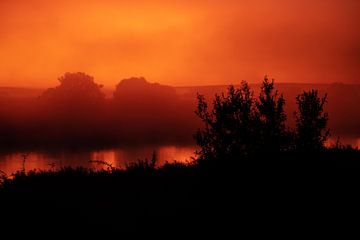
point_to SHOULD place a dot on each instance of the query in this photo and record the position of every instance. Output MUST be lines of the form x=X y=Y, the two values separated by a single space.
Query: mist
x=180 y=43
x=77 y=114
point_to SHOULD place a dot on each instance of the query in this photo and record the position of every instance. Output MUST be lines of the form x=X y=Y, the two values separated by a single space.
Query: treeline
x=77 y=114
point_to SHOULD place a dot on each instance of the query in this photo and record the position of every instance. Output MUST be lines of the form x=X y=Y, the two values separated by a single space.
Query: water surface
x=117 y=157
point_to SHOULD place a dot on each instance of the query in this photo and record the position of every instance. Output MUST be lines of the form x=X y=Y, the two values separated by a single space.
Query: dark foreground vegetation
x=253 y=175
x=258 y=198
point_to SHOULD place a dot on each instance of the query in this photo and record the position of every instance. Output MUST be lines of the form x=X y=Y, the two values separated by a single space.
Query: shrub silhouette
x=238 y=125
x=270 y=107
x=230 y=126
x=311 y=122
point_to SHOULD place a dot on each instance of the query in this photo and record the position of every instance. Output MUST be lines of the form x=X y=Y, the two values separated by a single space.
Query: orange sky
x=198 y=42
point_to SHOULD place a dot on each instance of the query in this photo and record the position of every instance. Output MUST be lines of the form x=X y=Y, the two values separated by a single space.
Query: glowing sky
x=198 y=42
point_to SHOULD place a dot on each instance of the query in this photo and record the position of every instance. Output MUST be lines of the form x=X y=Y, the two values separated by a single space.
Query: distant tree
x=230 y=126
x=311 y=122
x=145 y=111
x=73 y=112
x=270 y=107
x=139 y=91
x=75 y=88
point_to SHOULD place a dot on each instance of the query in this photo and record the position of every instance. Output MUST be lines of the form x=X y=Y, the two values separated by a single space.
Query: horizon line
x=189 y=86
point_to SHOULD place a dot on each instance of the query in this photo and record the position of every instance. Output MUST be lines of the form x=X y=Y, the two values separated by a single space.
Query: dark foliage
x=270 y=107
x=230 y=126
x=181 y=198
x=238 y=125
x=311 y=122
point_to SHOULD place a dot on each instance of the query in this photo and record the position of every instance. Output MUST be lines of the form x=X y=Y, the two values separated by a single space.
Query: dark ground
x=257 y=199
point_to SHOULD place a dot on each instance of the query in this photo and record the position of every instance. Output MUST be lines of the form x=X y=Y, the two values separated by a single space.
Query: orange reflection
x=119 y=158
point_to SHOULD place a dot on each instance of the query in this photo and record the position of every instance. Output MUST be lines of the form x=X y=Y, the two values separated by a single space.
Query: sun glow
x=178 y=42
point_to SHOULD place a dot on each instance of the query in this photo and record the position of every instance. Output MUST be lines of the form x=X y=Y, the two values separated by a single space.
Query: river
x=116 y=157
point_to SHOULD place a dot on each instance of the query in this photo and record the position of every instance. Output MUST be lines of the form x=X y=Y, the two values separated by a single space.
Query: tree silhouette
x=311 y=122
x=73 y=112
x=230 y=126
x=139 y=105
x=139 y=91
x=270 y=107
x=75 y=88
x=238 y=125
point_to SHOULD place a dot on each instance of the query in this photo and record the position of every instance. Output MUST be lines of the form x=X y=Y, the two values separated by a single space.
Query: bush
x=238 y=126
x=311 y=122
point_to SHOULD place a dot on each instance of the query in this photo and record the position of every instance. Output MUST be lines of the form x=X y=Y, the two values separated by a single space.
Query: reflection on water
x=355 y=142
x=10 y=163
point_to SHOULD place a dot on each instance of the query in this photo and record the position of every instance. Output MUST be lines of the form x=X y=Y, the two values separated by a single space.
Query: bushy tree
x=75 y=88
x=311 y=122
x=73 y=112
x=230 y=126
x=270 y=107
